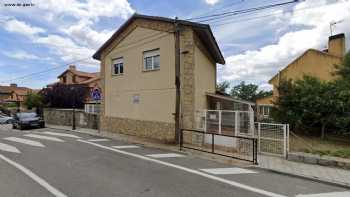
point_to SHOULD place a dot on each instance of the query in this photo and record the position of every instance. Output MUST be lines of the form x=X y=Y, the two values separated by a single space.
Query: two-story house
x=138 y=75
x=72 y=76
x=313 y=62
x=14 y=94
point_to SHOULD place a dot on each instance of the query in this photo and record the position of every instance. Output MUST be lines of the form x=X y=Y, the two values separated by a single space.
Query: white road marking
x=98 y=140
x=229 y=182
x=44 y=137
x=227 y=171
x=332 y=194
x=35 y=177
x=61 y=134
x=25 y=141
x=9 y=148
x=125 y=146
x=166 y=155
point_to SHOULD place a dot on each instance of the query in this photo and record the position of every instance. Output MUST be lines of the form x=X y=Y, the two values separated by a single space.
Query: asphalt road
x=43 y=162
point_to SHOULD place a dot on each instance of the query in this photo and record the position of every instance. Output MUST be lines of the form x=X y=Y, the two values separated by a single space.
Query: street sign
x=96 y=94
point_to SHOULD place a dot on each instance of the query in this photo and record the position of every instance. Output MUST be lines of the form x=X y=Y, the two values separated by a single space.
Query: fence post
x=259 y=133
x=205 y=121
x=212 y=143
x=255 y=152
x=220 y=121
x=285 y=140
x=181 y=139
x=236 y=123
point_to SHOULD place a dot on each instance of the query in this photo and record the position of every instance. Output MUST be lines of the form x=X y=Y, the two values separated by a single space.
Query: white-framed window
x=151 y=60
x=265 y=110
x=118 y=66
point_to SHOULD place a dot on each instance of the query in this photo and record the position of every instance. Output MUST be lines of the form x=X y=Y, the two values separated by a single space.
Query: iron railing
x=236 y=147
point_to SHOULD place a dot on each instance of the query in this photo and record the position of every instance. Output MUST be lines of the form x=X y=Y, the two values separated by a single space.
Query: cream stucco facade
x=155 y=89
x=315 y=63
x=142 y=103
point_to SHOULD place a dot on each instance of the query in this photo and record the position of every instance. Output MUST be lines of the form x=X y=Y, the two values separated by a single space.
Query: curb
x=312 y=178
x=209 y=157
x=196 y=154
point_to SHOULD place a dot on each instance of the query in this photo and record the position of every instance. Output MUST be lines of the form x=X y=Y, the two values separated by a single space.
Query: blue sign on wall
x=96 y=94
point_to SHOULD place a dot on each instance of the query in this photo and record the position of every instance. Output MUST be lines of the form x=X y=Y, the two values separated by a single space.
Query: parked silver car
x=5 y=119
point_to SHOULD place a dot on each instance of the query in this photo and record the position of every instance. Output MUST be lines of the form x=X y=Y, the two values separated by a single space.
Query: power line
x=43 y=71
x=267 y=15
x=224 y=7
x=242 y=11
x=128 y=46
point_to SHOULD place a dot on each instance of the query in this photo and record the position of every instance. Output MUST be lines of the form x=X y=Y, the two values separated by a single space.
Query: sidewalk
x=277 y=164
x=316 y=172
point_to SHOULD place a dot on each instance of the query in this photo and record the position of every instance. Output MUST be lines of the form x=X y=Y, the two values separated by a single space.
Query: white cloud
x=21 y=55
x=90 y=9
x=212 y=2
x=13 y=25
x=75 y=19
x=313 y=30
x=83 y=33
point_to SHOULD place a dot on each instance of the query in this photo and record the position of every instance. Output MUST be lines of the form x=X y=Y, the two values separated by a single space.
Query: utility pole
x=177 y=81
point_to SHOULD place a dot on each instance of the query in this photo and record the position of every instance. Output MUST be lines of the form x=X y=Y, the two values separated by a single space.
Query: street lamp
x=74 y=98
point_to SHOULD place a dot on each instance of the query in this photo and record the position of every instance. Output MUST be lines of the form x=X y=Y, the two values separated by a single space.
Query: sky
x=47 y=35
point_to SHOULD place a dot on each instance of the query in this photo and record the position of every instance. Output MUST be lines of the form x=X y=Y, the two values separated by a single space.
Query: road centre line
x=224 y=171
x=35 y=177
x=331 y=194
x=229 y=182
x=98 y=140
x=125 y=146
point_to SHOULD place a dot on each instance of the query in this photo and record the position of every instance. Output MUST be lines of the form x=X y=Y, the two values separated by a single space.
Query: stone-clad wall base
x=161 y=131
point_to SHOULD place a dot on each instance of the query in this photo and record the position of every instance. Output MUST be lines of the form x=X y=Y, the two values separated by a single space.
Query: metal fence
x=225 y=122
x=272 y=138
x=237 y=147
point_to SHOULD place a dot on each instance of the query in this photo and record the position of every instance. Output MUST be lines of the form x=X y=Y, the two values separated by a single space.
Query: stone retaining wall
x=320 y=160
x=162 y=131
x=64 y=117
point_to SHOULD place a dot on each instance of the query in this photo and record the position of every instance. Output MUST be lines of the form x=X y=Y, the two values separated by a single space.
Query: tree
x=33 y=100
x=223 y=86
x=248 y=92
x=308 y=102
x=65 y=96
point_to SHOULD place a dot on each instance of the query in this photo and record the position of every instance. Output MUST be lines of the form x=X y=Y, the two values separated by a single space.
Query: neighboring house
x=13 y=94
x=138 y=76
x=91 y=80
x=312 y=62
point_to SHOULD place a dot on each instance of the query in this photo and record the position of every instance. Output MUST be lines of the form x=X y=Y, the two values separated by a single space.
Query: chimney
x=336 y=45
x=13 y=85
x=72 y=67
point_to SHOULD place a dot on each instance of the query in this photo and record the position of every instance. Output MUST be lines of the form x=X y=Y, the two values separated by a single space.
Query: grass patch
x=317 y=146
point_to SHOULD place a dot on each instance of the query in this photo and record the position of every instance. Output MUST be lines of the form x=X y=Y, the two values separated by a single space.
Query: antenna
x=332 y=24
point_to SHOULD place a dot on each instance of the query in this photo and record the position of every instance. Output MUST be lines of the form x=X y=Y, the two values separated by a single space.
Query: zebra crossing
x=28 y=139
x=41 y=140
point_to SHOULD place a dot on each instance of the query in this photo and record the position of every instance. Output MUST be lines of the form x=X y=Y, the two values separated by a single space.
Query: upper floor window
x=151 y=60
x=64 y=79
x=118 y=66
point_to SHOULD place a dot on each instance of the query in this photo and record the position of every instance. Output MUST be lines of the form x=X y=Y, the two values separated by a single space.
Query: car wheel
x=20 y=127
x=14 y=126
